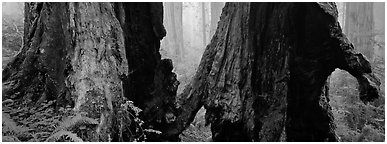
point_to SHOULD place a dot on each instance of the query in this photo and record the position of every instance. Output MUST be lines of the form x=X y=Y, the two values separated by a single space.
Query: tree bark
x=150 y=83
x=38 y=71
x=263 y=76
x=31 y=11
x=79 y=54
x=74 y=52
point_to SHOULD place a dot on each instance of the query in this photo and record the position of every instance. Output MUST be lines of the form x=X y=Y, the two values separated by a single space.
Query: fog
x=190 y=27
x=363 y=23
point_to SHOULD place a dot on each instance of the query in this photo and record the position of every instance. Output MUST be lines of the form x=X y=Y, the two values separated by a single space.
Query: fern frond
x=75 y=121
x=10 y=139
x=58 y=135
x=7 y=101
x=41 y=135
x=33 y=140
x=152 y=131
x=7 y=121
x=10 y=127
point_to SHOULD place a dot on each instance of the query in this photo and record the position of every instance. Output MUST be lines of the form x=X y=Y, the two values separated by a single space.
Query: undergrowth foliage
x=355 y=120
x=129 y=124
x=44 y=123
x=74 y=128
x=11 y=131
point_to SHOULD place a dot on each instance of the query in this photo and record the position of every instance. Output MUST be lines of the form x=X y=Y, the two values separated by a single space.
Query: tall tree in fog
x=173 y=21
x=359 y=25
x=204 y=23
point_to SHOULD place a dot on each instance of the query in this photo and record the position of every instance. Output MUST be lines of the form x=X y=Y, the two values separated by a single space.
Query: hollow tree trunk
x=263 y=76
x=79 y=54
x=151 y=84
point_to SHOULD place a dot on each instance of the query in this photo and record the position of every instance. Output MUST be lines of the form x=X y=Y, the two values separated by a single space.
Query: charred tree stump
x=263 y=76
x=150 y=83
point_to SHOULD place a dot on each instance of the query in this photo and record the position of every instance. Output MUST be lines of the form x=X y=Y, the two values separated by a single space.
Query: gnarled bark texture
x=150 y=82
x=73 y=53
x=80 y=53
x=263 y=76
x=38 y=71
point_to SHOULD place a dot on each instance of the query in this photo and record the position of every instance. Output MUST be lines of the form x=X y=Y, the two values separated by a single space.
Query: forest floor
x=23 y=124
x=197 y=131
x=355 y=121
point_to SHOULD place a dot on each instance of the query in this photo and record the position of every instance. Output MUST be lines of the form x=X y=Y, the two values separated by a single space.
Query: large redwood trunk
x=263 y=76
x=79 y=54
x=73 y=53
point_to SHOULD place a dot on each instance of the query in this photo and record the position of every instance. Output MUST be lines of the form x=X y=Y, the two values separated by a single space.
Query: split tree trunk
x=263 y=76
x=150 y=82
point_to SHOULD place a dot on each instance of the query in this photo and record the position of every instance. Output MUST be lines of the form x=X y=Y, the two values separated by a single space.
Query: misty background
x=190 y=27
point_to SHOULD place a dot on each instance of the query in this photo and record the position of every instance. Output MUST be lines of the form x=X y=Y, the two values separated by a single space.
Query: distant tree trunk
x=359 y=25
x=173 y=21
x=78 y=55
x=204 y=24
x=264 y=70
x=263 y=76
x=359 y=29
x=216 y=10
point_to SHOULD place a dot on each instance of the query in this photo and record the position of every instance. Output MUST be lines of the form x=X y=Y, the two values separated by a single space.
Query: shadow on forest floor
x=197 y=131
